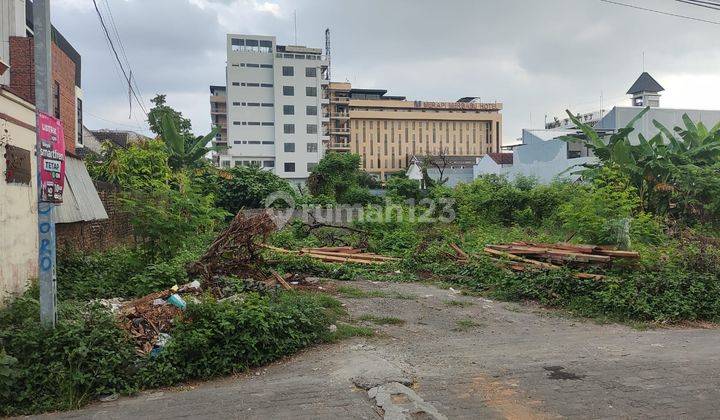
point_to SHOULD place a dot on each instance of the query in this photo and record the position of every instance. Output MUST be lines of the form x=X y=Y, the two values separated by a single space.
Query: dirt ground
x=468 y=357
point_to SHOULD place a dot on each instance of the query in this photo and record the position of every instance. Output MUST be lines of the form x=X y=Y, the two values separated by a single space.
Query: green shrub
x=63 y=368
x=87 y=354
x=248 y=186
x=124 y=272
x=667 y=295
x=164 y=219
x=221 y=338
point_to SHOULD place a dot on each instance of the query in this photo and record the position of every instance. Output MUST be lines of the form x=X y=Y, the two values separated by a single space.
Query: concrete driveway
x=464 y=357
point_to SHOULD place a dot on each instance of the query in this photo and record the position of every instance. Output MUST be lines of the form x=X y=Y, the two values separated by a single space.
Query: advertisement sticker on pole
x=52 y=158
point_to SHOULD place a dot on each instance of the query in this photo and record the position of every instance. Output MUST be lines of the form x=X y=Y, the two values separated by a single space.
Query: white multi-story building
x=274 y=97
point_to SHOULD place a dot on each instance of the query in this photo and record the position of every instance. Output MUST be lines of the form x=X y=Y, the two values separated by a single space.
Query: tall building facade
x=388 y=131
x=272 y=111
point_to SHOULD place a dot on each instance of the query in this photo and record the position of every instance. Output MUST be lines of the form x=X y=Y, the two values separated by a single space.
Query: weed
x=345 y=331
x=382 y=320
x=458 y=303
x=357 y=293
x=465 y=325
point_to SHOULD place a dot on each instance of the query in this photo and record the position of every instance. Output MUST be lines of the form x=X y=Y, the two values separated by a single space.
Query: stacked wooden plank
x=338 y=254
x=520 y=256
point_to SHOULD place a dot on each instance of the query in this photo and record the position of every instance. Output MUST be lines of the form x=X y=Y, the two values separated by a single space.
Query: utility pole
x=46 y=225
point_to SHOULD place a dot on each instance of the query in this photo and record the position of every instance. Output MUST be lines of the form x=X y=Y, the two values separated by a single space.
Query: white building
x=274 y=97
x=545 y=156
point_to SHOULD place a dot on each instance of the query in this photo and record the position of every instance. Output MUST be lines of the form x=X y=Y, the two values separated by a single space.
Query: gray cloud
x=538 y=57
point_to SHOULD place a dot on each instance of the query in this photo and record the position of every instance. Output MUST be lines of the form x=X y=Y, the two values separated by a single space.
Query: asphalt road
x=474 y=359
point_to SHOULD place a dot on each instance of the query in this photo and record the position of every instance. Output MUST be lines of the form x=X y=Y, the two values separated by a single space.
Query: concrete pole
x=46 y=226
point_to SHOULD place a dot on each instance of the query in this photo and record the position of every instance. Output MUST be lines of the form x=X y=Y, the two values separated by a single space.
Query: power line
x=117 y=57
x=115 y=122
x=122 y=48
x=708 y=5
x=661 y=12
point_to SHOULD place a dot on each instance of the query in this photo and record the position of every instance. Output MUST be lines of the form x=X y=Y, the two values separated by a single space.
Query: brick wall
x=98 y=235
x=22 y=81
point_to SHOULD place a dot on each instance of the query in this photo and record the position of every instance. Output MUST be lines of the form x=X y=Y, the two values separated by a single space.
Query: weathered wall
x=98 y=235
x=22 y=82
x=18 y=211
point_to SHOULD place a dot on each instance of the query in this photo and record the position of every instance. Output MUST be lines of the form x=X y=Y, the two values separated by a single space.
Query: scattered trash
x=109 y=397
x=113 y=304
x=332 y=328
x=176 y=300
x=146 y=318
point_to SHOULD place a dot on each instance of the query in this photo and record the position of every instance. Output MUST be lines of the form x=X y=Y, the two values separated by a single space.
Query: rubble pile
x=235 y=251
x=150 y=318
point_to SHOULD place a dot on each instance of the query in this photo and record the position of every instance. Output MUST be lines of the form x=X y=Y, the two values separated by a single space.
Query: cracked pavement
x=477 y=359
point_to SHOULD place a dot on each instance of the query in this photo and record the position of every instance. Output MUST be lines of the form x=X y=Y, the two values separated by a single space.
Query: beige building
x=18 y=195
x=388 y=131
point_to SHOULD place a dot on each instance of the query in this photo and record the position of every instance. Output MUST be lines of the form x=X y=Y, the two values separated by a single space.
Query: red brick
x=22 y=81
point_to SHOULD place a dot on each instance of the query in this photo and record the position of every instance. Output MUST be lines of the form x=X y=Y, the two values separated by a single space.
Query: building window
x=289 y=90
x=236 y=103
x=265 y=104
x=310 y=91
x=266 y=66
x=311 y=166
x=268 y=124
x=312 y=148
x=236 y=83
x=268 y=164
x=266 y=85
x=289 y=147
x=237 y=45
x=311 y=129
x=311 y=110
x=56 y=99
x=310 y=72
x=289 y=128
x=288 y=110
x=289 y=166
x=255 y=65
x=79 y=122
x=225 y=163
x=288 y=71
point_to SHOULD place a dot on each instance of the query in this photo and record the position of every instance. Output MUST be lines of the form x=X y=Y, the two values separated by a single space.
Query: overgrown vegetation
x=88 y=355
x=659 y=197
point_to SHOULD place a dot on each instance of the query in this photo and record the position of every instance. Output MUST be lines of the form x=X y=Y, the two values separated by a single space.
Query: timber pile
x=520 y=256
x=337 y=254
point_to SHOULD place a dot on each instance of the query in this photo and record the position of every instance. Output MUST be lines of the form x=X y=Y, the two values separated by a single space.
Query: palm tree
x=183 y=151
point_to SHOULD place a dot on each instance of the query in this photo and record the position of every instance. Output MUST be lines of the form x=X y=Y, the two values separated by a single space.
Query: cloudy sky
x=537 y=57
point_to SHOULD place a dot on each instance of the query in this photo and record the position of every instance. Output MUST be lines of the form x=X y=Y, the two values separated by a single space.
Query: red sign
x=51 y=158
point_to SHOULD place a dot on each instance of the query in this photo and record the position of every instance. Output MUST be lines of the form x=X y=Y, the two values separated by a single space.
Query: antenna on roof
x=643 y=62
x=295 y=20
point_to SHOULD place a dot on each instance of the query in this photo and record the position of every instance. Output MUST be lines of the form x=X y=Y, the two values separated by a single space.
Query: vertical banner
x=51 y=163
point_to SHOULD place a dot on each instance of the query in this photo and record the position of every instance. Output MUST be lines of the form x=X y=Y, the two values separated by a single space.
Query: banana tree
x=183 y=151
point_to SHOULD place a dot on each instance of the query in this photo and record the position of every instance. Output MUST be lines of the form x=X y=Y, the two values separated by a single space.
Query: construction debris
x=337 y=254
x=516 y=256
x=235 y=251
x=150 y=318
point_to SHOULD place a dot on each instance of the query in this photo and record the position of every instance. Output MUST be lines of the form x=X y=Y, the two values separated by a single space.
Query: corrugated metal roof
x=81 y=202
